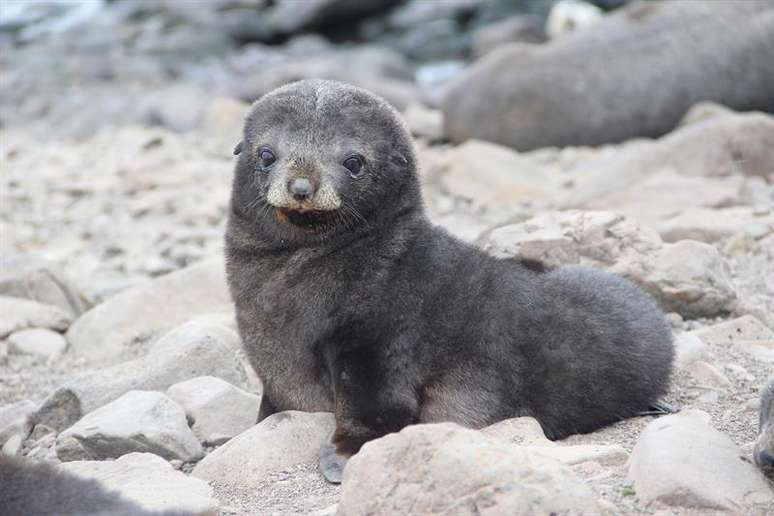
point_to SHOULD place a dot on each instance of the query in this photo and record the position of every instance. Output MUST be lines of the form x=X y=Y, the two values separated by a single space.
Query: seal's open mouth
x=312 y=220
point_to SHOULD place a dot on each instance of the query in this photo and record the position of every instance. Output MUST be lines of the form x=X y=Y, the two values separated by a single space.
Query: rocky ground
x=119 y=356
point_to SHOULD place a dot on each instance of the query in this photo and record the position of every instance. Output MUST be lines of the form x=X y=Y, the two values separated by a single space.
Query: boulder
x=40 y=342
x=19 y=314
x=138 y=421
x=190 y=351
x=279 y=442
x=219 y=410
x=107 y=332
x=150 y=482
x=633 y=73
x=687 y=277
x=519 y=430
x=38 y=280
x=447 y=469
x=680 y=460
x=605 y=454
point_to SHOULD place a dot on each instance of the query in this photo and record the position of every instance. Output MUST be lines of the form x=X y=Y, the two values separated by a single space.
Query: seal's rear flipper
x=332 y=463
x=659 y=408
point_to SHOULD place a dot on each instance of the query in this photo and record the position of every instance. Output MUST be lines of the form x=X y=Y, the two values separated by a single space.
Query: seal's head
x=321 y=157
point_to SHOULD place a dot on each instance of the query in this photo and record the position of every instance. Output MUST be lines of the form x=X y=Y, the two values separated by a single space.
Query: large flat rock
x=106 y=332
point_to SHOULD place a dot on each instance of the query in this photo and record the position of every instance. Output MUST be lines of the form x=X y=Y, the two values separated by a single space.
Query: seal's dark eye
x=266 y=158
x=354 y=164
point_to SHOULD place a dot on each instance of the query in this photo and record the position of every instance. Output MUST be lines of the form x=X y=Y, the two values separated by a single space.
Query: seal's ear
x=238 y=148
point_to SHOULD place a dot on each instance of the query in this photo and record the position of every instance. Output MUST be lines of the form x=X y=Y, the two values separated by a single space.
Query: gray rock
x=37 y=341
x=680 y=460
x=634 y=73
x=687 y=277
x=515 y=29
x=138 y=421
x=16 y=419
x=38 y=280
x=288 y=16
x=189 y=351
x=448 y=469
x=278 y=443
x=219 y=410
x=19 y=314
x=179 y=107
x=107 y=332
x=150 y=482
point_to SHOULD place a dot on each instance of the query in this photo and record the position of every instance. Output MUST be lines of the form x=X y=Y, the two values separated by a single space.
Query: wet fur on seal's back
x=392 y=321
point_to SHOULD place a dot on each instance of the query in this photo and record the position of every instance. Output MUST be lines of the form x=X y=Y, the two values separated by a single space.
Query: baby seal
x=349 y=300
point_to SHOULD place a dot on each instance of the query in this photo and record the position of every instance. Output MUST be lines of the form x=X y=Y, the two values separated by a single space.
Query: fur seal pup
x=764 y=445
x=38 y=489
x=349 y=300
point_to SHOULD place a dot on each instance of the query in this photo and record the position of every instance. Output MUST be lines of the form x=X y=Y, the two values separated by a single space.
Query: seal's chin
x=309 y=219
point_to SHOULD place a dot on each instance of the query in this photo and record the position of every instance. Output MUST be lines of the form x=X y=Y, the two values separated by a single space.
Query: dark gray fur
x=372 y=312
x=764 y=446
x=36 y=489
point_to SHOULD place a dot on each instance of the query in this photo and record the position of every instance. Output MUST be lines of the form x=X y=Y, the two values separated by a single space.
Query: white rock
x=13 y=445
x=39 y=280
x=279 y=442
x=447 y=469
x=713 y=225
x=189 y=351
x=762 y=350
x=424 y=122
x=745 y=328
x=218 y=409
x=687 y=277
x=503 y=178
x=150 y=482
x=680 y=460
x=16 y=419
x=688 y=349
x=37 y=341
x=105 y=333
x=708 y=375
x=571 y=15
x=19 y=314
x=138 y=421
x=606 y=454
x=519 y=430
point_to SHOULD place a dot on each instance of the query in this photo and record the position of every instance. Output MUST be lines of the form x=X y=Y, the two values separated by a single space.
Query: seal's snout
x=301 y=188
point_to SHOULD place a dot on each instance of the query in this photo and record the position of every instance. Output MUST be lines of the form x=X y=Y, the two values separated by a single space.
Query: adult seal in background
x=349 y=300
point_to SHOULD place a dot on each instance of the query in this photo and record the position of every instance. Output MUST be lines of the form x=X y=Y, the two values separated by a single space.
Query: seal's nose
x=300 y=188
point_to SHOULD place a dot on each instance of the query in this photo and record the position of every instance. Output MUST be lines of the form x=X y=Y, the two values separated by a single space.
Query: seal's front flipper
x=332 y=463
x=659 y=408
